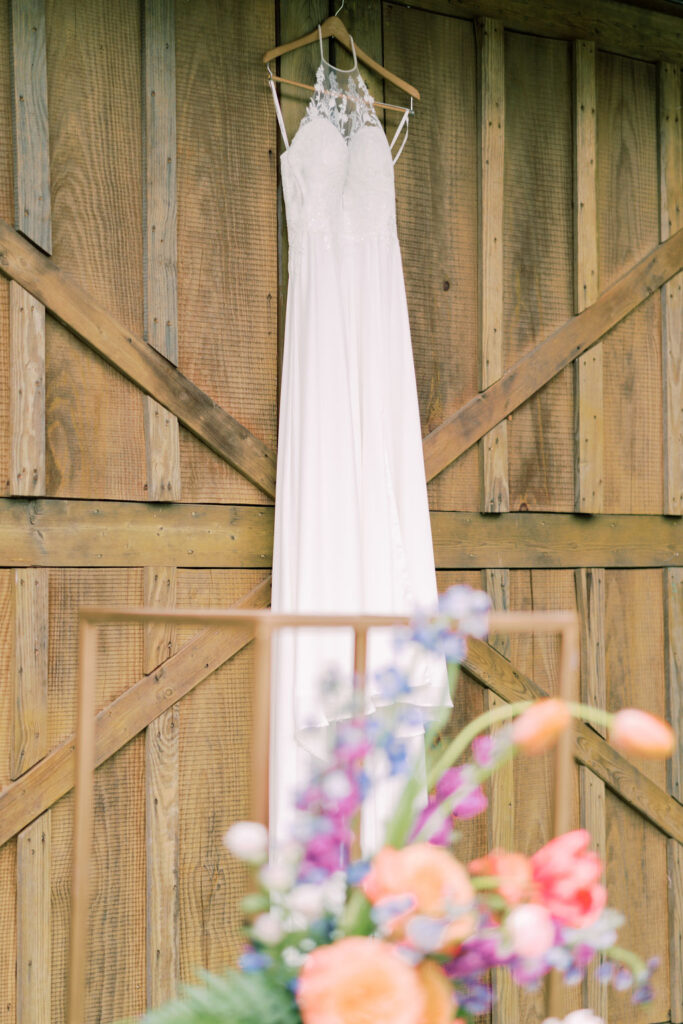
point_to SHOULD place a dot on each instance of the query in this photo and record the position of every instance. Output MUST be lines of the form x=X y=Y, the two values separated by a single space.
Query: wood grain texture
x=495 y=490
x=628 y=226
x=49 y=532
x=538 y=367
x=100 y=533
x=95 y=441
x=161 y=803
x=538 y=273
x=588 y=421
x=8 y=923
x=29 y=723
x=590 y=605
x=673 y=615
x=592 y=801
x=214 y=766
x=436 y=206
x=635 y=664
x=675 y=879
x=160 y=247
x=26 y=393
x=501 y=809
x=30 y=123
x=34 y=933
x=614 y=26
x=135 y=359
x=7 y=214
x=671 y=219
x=117 y=724
x=227 y=231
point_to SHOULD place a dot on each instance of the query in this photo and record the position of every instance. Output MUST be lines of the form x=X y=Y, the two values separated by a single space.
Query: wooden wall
x=138 y=156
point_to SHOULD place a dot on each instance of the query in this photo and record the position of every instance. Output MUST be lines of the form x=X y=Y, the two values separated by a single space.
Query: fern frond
x=234 y=998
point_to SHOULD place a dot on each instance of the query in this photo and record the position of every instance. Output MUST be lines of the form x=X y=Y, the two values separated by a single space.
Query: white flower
x=247 y=840
x=306 y=900
x=576 y=1017
x=278 y=877
x=293 y=957
x=334 y=893
x=267 y=928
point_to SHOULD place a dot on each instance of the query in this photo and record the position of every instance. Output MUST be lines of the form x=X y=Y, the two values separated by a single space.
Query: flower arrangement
x=410 y=935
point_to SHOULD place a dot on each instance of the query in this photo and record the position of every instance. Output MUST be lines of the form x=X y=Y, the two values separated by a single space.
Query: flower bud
x=538 y=728
x=640 y=733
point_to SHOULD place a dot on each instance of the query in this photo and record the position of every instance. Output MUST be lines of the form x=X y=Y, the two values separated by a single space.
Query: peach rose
x=638 y=732
x=567 y=874
x=512 y=869
x=440 y=1002
x=359 y=981
x=435 y=882
x=538 y=728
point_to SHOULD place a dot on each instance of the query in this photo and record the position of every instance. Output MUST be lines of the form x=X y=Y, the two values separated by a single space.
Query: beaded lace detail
x=348 y=109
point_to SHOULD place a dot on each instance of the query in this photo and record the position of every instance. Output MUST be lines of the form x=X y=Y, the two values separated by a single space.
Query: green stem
x=462 y=741
x=590 y=714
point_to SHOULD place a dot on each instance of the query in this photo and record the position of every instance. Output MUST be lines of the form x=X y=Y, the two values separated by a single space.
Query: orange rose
x=513 y=871
x=359 y=981
x=436 y=883
x=538 y=729
x=440 y=1002
x=638 y=732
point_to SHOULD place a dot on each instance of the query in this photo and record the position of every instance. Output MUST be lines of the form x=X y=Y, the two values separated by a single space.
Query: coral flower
x=538 y=729
x=435 y=882
x=567 y=874
x=440 y=1003
x=359 y=981
x=638 y=732
x=513 y=871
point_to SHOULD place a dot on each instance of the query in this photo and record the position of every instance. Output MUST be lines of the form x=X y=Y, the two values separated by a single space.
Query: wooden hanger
x=335 y=28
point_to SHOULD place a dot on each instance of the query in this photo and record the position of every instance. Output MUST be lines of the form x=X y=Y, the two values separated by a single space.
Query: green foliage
x=233 y=998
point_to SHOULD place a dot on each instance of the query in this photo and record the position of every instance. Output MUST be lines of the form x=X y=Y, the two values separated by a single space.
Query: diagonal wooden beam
x=24 y=800
x=148 y=369
x=494 y=671
x=534 y=370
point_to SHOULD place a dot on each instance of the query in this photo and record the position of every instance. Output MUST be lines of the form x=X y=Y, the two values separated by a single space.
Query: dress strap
x=320 y=38
x=402 y=123
x=278 y=112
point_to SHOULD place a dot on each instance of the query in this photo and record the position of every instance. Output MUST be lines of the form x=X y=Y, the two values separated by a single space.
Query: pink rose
x=531 y=929
x=432 y=879
x=567 y=875
x=357 y=980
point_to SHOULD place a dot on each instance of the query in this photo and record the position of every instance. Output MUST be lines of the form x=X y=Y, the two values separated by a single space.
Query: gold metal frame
x=264 y=624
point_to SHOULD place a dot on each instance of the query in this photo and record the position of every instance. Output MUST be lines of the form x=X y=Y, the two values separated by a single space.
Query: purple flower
x=460 y=780
x=483 y=749
x=252 y=961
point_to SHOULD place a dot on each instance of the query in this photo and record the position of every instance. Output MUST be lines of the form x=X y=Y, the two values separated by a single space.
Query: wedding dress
x=352 y=529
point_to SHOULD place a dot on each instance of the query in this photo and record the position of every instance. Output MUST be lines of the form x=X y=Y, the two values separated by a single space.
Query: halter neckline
x=343 y=71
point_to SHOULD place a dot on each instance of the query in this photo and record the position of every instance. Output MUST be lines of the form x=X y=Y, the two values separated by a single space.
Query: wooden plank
x=436 y=216
x=78 y=311
x=160 y=250
x=26 y=393
x=538 y=262
x=21 y=802
x=588 y=485
x=671 y=219
x=161 y=797
x=613 y=26
x=34 y=953
x=49 y=532
x=590 y=604
x=30 y=123
x=501 y=811
x=227 y=233
x=29 y=725
x=495 y=495
x=627 y=781
x=541 y=364
x=675 y=874
x=673 y=631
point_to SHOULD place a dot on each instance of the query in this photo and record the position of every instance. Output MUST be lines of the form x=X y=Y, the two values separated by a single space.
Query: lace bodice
x=337 y=173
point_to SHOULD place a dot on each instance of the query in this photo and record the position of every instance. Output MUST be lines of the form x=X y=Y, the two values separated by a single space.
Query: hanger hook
x=341 y=7
x=269 y=70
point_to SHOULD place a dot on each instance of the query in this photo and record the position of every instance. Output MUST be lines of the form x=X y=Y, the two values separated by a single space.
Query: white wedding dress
x=352 y=529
